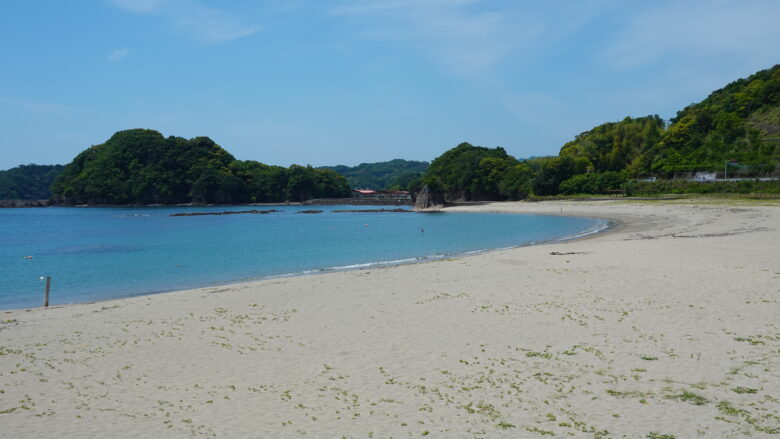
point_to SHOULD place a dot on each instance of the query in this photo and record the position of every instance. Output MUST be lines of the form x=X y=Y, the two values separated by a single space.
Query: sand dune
x=667 y=326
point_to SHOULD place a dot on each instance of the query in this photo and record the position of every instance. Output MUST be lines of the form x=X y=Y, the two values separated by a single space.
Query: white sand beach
x=668 y=326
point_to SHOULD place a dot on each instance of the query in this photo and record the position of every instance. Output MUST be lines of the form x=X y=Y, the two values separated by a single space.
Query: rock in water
x=425 y=199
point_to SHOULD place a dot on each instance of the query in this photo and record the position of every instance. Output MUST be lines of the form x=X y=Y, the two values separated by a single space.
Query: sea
x=93 y=254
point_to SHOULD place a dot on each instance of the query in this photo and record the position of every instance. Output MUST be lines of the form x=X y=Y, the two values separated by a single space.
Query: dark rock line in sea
x=262 y=212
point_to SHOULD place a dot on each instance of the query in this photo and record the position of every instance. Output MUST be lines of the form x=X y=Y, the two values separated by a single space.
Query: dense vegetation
x=475 y=173
x=737 y=127
x=28 y=182
x=739 y=122
x=143 y=167
x=662 y=187
x=395 y=175
x=617 y=146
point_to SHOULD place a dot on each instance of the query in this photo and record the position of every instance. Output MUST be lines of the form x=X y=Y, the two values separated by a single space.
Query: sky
x=326 y=82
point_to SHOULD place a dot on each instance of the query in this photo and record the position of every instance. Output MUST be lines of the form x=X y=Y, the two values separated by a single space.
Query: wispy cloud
x=36 y=106
x=195 y=20
x=466 y=38
x=690 y=30
x=116 y=55
x=472 y=36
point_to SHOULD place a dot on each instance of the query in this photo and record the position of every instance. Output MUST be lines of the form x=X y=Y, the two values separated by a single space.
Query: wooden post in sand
x=46 y=294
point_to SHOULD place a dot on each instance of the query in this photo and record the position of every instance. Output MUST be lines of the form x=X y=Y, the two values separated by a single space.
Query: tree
x=594 y=183
x=143 y=167
x=615 y=146
x=555 y=170
x=28 y=182
x=381 y=175
x=468 y=172
x=516 y=183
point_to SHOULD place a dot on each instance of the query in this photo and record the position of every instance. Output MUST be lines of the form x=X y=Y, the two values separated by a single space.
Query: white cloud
x=473 y=36
x=465 y=39
x=692 y=30
x=193 y=19
x=117 y=55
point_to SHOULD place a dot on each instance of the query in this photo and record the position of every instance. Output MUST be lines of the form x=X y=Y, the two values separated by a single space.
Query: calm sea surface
x=102 y=253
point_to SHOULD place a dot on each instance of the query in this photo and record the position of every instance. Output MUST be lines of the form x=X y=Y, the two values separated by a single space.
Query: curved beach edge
x=665 y=326
x=603 y=226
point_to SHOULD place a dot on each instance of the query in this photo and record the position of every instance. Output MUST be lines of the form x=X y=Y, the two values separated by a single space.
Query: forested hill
x=28 y=182
x=736 y=127
x=141 y=166
x=395 y=174
x=739 y=122
x=617 y=146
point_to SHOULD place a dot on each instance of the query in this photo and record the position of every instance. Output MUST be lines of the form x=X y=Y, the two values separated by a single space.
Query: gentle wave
x=598 y=228
x=106 y=253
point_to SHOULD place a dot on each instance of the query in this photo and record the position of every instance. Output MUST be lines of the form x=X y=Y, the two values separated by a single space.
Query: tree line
x=391 y=175
x=28 y=182
x=737 y=127
x=140 y=166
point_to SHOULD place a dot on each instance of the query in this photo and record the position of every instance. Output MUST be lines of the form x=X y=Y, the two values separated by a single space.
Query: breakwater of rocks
x=358 y=202
x=24 y=203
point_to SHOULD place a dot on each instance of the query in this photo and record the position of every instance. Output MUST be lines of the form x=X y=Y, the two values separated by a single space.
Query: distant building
x=704 y=176
x=368 y=194
x=363 y=193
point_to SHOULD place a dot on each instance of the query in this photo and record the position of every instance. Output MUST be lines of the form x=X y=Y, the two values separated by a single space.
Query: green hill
x=617 y=146
x=474 y=173
x=739 y=122
x=737 y=127
x=28 y=182
x=141 y=166
x=395 y=174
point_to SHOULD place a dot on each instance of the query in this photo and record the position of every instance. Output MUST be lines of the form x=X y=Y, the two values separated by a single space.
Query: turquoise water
x=102 y=253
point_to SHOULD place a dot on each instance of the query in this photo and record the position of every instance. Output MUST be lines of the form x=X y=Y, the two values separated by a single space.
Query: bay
x=97 y=254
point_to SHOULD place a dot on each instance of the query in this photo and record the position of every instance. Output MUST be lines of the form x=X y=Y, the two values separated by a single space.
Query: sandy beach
x=667 y=326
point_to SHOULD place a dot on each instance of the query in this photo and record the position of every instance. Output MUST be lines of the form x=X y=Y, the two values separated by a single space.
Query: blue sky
x=348 y=81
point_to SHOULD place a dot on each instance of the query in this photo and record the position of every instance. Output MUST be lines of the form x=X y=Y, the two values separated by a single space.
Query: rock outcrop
x=24 y=203
x=427 y=199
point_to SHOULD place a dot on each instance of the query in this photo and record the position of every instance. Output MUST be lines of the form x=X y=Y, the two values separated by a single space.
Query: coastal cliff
x=427 y=199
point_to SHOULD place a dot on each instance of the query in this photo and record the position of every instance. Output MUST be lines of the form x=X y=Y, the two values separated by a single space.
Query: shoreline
x=665 y=325
x=610 y=225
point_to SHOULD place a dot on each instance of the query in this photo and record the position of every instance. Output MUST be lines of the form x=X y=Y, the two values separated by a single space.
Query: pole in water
x=46 y=294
